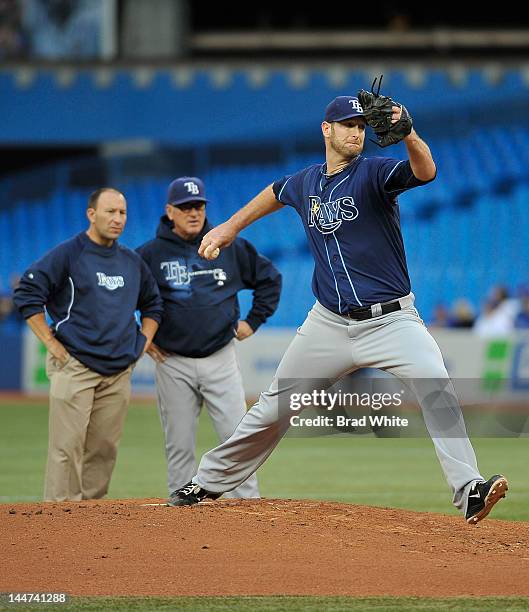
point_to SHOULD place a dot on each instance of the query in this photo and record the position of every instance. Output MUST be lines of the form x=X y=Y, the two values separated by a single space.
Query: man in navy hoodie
x=194 y=348
x=91 y=288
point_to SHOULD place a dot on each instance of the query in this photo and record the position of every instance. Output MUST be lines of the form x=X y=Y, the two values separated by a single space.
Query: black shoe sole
x=497 y=492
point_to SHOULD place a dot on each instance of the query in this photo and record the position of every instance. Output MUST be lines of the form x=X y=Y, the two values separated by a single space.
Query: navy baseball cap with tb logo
x=342 y=108
x=186 y=189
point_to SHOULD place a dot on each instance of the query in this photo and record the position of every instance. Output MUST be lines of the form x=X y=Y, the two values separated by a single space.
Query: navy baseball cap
x=342 y=108
x=186 y=189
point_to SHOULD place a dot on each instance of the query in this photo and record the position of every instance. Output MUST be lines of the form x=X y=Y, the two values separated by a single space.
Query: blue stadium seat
x=463 y=232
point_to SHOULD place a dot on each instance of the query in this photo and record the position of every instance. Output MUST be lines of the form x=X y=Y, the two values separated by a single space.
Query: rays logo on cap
x=192 y=187
x=356 y=105
x=342 y=108
x=186 y=189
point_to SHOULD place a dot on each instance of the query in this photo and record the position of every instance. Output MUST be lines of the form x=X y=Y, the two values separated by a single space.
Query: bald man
x=90 y=287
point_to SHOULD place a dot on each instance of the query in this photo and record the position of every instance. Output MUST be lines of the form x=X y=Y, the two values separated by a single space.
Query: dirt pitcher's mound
x=235 y=547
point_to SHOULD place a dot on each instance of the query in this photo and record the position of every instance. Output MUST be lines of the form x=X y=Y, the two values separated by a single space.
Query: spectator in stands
x=440 y=316
x=64 y=29
x=521 y=320
x=498 y=314
x=9 y=314
x=13 y=44
x=462 y=315
x=6 y=307
x=399 y=20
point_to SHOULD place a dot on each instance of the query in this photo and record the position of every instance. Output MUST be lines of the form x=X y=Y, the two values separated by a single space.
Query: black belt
x=369 y=312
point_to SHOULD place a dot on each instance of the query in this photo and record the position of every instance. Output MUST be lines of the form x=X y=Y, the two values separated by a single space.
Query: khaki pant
x=87 y=413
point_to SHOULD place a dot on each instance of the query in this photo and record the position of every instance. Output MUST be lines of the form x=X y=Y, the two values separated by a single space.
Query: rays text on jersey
x=328 y=216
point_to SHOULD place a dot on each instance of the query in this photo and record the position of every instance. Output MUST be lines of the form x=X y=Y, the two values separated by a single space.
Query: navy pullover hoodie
x=201 y=309
x=91 y=293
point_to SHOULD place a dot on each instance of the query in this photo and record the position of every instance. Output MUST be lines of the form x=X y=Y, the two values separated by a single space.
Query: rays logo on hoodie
x=109 y=282
x=175 y=273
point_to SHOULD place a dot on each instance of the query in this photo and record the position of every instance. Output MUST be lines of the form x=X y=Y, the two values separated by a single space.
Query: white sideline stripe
x=25 y=498
x=69 y=307
x=18 y=498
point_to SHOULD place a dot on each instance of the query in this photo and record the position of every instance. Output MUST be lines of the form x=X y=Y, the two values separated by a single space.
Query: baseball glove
x=378 y=115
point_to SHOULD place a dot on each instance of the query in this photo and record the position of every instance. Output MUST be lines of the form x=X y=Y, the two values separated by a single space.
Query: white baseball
x=211 y=253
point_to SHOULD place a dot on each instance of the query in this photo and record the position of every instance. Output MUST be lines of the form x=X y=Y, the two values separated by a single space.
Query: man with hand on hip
x=194 y=348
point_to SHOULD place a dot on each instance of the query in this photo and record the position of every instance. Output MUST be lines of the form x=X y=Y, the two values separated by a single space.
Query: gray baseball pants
x=182 y=385
x=327 y=346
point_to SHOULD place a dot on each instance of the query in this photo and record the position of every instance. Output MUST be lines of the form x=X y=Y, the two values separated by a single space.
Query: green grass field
x=290 y=604
x=400 y=473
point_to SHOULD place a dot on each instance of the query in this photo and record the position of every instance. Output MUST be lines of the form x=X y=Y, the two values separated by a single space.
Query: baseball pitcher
x=364 y=315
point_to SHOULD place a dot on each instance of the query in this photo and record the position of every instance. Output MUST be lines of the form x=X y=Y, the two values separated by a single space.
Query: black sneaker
x=483 y=496
x=190 y=494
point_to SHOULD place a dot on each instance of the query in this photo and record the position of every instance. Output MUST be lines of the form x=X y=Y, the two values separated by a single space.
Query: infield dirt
x=234 y=547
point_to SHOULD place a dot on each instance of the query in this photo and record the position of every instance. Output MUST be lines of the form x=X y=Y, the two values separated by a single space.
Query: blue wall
x=192 y=107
